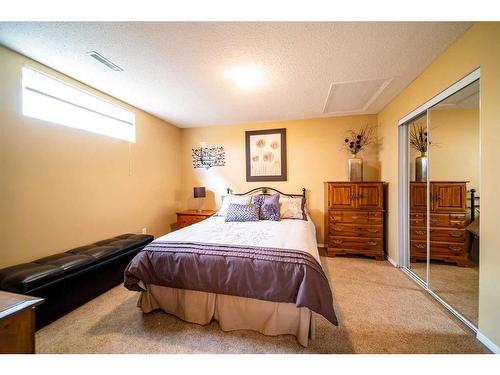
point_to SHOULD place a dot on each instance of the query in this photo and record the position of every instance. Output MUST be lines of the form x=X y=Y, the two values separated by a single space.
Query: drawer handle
x=419 y=232
x=420 y=246
x=372 y=230
x=372 y=243
x=354 y=217
x=338 y=241
x=455 y=235
x=337 y=229
x=455 y=248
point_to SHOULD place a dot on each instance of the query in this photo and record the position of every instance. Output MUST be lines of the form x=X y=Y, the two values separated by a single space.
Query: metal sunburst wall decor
x=207 y=157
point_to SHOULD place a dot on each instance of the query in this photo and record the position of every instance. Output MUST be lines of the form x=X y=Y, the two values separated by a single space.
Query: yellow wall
x=62 y=187
x=455 y=152
x=314 y=155
x=478 y=47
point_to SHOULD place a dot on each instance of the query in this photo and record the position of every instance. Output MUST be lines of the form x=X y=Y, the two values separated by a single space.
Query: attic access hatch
x=353 y=96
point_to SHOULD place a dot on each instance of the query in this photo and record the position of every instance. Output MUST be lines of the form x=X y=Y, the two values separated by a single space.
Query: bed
x=264 y=276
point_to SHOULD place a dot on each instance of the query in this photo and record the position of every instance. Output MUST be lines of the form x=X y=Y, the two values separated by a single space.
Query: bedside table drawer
x=189 y=217
x=184 y=221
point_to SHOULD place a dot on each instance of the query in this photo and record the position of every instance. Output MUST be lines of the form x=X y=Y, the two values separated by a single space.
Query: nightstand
x=188 y=217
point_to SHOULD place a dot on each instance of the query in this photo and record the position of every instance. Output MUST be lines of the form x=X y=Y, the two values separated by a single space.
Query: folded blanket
x=277 y=275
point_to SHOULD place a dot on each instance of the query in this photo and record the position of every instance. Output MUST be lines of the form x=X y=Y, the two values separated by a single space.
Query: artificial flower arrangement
x=358 y=140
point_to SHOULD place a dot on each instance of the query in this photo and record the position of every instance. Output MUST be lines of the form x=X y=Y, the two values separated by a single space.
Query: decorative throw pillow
x=228 y=199
x=242 y=212
x=293 y=208
x=269 y=206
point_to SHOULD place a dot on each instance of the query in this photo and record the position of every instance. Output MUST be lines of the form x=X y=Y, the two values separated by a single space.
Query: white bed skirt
x=232 y=312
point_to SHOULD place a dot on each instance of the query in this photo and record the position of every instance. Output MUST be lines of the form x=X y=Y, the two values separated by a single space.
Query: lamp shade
x=199 y=192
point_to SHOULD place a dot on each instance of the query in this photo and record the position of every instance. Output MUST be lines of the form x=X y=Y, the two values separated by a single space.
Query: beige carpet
x=459 y=286
x=380 y=310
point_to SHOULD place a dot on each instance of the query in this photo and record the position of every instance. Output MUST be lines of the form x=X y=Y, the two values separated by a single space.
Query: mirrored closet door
x=441 y=199
x=418 y=141
x=454 y=166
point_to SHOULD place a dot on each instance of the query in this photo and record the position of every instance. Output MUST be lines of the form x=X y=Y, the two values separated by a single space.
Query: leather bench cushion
x=98 y=252
x=24 y=277
x=113 y=246
x=27 y=276
x=67 y=261
x=127 y=241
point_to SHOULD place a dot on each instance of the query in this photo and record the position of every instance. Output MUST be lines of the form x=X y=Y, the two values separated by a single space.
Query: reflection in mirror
x=454 y=186
x=418 y=144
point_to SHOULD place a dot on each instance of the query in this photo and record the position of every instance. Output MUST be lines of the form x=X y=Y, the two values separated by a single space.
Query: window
x=52 y=100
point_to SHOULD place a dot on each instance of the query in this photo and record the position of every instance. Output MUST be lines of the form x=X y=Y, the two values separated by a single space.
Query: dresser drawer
x=418 y=218
x=353 y=230
x=448 y=235
x=355 y=243
x=356 y=217
x=418 y=248
x=444 y=248
x=418 y=233
x=376 y=218
x=438 y=234
x=448 y=220
x=349 y=217
x=454 y=220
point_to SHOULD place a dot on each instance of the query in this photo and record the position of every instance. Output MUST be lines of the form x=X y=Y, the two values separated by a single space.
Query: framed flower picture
x=266 y=155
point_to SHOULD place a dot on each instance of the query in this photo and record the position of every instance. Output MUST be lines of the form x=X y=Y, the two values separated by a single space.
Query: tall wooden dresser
x=448 y=219
x=354 y=218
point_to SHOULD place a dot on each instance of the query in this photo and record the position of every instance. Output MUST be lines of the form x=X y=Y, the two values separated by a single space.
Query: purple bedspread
x=277 y=275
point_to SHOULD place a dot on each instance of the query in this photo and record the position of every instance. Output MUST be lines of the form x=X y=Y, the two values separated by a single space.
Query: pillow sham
x=269 y=208
x=242 y=212
x=228 y=199
x=293 y=208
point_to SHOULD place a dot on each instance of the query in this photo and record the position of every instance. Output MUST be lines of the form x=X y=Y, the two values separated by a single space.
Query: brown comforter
x=277 y=275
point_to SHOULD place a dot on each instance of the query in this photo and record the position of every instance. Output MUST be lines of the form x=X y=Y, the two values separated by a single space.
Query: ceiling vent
x=104 y=61
x=353 y=96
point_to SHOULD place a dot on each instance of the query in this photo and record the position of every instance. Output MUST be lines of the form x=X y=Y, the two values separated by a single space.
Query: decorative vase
x=421 y=168
x=356 y=169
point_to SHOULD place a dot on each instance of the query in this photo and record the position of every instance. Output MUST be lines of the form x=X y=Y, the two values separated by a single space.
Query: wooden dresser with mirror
x=448 y=219
x=354 y=218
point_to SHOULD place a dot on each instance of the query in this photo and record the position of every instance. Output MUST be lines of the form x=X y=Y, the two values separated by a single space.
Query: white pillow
x=228 y=199
x=293 y=208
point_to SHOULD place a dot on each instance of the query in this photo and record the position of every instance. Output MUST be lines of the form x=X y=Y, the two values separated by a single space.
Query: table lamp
x=200 y=193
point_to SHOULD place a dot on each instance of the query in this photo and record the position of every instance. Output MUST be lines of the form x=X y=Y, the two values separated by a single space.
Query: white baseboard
x=488 y=343
x=391 y=261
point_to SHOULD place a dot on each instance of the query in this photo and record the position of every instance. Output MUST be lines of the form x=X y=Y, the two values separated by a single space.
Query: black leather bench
x=68 y=280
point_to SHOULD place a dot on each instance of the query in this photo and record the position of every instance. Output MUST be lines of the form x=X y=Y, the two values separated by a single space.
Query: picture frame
x=265 y=152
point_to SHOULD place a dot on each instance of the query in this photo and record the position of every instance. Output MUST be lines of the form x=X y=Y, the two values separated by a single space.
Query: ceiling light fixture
x=100 y=58
x=246 y=77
